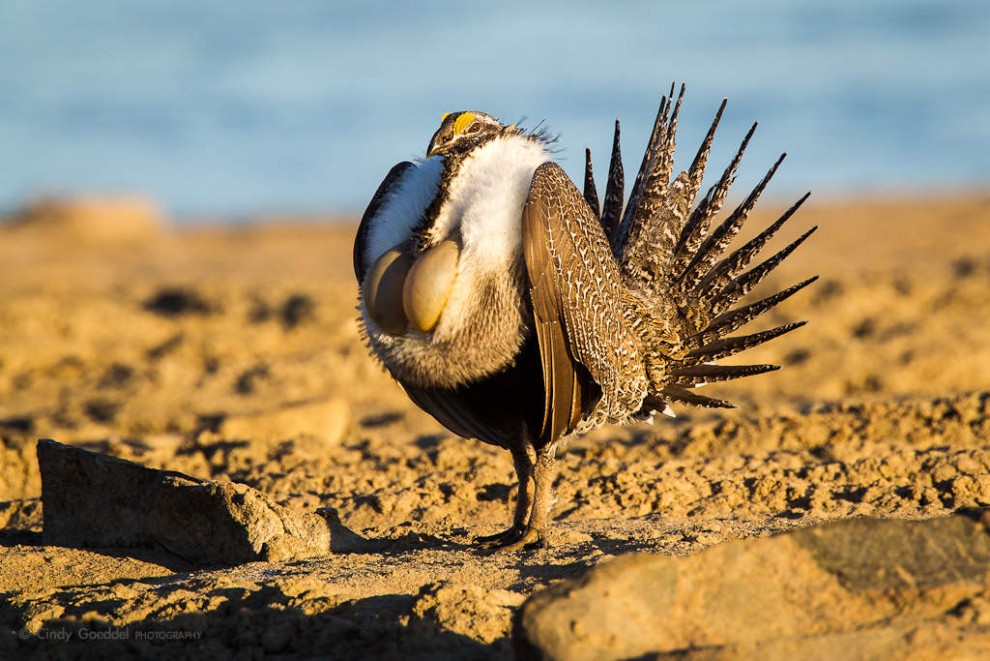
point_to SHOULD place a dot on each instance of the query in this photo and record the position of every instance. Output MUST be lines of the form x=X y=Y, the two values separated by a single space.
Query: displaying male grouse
x=518 y=311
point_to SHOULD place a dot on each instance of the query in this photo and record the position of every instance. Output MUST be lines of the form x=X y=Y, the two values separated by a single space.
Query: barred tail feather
x=697 y=170
x=695 y=375
x=729 y=346
x=730 y=267
x=680 y=394
x=654 y=224
x=614 y=192
x=700 y=220
x=590 y=192
x=635 y=195
x=713 y=246
x=733 y=320
x=737 y=288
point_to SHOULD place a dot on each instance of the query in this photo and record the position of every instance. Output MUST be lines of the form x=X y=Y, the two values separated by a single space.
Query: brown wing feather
x=576 y=295
x=561 y=386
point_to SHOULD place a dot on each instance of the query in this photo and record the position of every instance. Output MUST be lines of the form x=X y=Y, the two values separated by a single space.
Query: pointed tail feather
x=657 y=177
x=681 y=394
x=733 y=320
x=713 y=246
x=693 y=375
x=697 y=170
x=700 y=220
x=729 y=346
x=637 y=190
x=590 y=192
x=655 y=221
x=614 y=191
x=729 y=268
x=739 y=287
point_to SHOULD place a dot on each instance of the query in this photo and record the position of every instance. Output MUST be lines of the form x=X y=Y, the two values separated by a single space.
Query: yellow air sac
x=428 y=285
x=382 y=291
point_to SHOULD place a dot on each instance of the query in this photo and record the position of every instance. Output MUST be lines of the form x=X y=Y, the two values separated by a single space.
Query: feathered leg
x=524 y=502
x=544 y=473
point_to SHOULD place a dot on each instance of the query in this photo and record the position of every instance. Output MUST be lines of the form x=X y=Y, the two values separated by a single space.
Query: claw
x=500 y=540
x=514 y=539
x=530 y=538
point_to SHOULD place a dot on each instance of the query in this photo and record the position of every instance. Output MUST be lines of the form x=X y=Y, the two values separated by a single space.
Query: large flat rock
x=94 y=500
x=863 y=588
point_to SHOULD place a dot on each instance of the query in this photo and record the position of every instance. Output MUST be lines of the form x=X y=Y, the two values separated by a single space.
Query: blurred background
x=236 y=110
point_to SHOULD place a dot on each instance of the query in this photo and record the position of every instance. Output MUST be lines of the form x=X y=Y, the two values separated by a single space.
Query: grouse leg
x=544 y=473
x=524 y=500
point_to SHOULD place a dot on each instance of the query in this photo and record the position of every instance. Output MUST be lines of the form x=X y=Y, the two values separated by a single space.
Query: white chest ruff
x=486 y=200
x=485 y=320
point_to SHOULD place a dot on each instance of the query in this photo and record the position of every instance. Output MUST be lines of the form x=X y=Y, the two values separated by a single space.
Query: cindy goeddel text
x=65 y=635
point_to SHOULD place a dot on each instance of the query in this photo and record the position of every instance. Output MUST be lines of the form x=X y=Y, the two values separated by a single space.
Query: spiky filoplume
x=518 y=310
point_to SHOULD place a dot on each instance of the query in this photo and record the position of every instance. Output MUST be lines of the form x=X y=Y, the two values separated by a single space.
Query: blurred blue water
x=243 y=108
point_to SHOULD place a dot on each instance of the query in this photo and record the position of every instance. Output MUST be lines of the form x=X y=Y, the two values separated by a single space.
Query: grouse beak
x=431 y=150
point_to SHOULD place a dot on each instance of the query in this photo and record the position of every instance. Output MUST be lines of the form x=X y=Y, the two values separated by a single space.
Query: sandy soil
x=234 y=353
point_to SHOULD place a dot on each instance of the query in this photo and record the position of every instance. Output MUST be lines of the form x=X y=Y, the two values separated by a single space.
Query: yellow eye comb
x=462 y=121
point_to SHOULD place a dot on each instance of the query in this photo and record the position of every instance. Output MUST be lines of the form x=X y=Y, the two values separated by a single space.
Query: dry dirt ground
x=233 y=353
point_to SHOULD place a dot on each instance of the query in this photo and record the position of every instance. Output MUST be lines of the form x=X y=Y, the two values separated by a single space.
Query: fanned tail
x=672 y=260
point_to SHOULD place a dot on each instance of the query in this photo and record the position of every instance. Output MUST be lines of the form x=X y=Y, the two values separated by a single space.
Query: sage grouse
x=517 y=311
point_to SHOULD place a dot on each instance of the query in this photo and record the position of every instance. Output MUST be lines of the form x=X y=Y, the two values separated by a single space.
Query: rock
x=863 y=588
x=179 y=301
x=93 y=500
x=465 y=609
x=298 y=309
x=99 y=220
x=18 y=470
